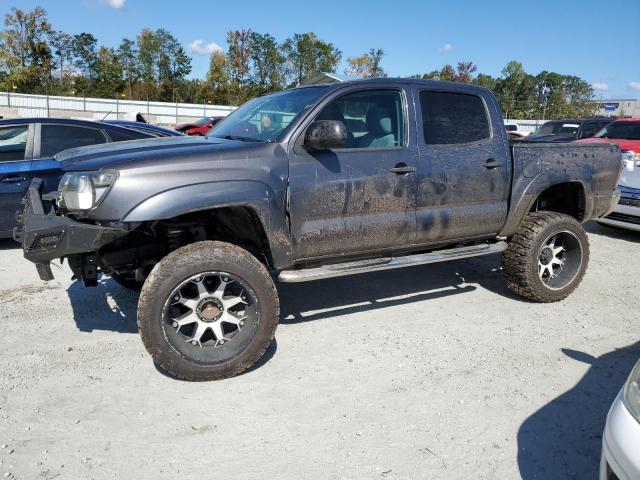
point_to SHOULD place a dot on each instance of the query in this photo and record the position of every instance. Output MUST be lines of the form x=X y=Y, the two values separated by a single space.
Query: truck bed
x=595 y=168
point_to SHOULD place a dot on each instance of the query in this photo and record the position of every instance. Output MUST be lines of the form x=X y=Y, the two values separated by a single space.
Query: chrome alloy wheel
x=207 y=314
x=559 y=259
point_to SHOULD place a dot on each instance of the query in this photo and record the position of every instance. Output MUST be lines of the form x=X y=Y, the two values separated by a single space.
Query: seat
x=380 y=129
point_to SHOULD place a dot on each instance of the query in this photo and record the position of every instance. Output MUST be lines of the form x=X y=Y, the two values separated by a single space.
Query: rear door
x=15 y=154
x=361 y=197
x=464 y=169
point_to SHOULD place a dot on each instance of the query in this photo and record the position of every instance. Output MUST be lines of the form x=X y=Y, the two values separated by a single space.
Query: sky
x=593 y=39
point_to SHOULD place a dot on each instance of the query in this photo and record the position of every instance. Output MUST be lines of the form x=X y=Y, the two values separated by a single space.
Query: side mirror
x=325 y=135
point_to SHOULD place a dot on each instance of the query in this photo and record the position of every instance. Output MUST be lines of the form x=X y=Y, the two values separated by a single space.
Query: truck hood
x=114 y=155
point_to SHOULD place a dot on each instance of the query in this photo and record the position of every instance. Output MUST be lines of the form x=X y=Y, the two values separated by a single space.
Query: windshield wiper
x=240 y=139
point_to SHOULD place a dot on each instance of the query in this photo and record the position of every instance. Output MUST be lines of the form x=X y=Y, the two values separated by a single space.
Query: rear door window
x=13 y=143
x=453 y=118
x=56 y=138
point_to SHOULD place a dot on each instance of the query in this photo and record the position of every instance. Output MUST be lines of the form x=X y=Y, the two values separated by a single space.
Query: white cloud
x=447 y=47
x=114 y=3
x=600 y=86
x=635 y=85
x=198 y=47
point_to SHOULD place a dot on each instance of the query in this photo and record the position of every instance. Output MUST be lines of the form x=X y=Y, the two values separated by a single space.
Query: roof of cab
x=69 y=121
x=439 y=84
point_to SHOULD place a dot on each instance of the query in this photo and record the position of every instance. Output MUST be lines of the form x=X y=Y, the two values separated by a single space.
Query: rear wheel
x=207 y=311
x=547 y=257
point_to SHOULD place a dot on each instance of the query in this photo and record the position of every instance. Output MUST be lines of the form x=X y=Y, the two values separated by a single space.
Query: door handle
x=13 y=179
x=491 y=164
x=402 y=169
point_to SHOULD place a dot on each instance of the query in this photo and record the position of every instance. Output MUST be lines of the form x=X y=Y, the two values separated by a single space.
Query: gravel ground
x=422 y=373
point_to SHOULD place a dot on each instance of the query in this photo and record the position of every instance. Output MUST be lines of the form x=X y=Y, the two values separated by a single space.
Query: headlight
x=631 y=392
x=85 y=190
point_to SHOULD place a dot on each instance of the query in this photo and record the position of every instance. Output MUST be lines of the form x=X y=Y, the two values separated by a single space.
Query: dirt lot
x=422 y=373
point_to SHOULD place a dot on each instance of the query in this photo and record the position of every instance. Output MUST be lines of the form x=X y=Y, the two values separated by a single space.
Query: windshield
x=203 y=121
x=621 y=130
x=264 y=118
x=557 y=128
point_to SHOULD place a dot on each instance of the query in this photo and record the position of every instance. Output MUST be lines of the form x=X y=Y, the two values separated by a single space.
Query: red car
x=199 y=127
x=624 y=132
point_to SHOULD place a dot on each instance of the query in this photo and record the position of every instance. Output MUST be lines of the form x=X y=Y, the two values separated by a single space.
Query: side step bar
x=376 y=264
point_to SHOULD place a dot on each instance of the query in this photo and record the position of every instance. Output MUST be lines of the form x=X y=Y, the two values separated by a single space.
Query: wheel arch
x=563 y=197
x=570 y=196
x=253 y=198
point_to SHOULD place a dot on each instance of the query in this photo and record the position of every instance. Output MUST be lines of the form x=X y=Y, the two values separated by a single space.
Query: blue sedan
x=27 y=147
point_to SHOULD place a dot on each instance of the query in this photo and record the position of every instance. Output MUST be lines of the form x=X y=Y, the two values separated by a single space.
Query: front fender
x=236 y=193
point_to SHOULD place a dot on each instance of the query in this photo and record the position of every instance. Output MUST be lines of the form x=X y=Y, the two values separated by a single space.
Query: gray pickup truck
x=311 y=183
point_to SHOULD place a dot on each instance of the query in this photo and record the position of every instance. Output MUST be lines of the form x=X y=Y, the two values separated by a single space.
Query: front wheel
x=547 y=257
x=208 y=311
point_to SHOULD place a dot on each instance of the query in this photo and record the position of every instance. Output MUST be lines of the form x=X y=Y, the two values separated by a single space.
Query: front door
x=361 y=197
x=464 y=168
x=15 y=150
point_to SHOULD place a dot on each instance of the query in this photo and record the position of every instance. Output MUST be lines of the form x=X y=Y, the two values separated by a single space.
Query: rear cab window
x=453 y=118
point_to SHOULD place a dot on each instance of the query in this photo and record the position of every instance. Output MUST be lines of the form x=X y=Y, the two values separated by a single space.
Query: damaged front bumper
x=46 y=236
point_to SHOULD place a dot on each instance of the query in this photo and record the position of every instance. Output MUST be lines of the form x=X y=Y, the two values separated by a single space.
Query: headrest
x=378 y=120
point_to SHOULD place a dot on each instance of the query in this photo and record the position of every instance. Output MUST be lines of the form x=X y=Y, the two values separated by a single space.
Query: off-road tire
x=520 y=260
x=180 y=265
x=127 y=282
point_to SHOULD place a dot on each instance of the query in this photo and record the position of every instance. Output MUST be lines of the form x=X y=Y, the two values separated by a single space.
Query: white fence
x=526 y=126
x=160 y=112
x=23 y=105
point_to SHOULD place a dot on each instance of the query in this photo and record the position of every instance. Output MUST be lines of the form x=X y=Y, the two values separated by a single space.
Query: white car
x=514 y=128
x=621 y=438
x=627 y=213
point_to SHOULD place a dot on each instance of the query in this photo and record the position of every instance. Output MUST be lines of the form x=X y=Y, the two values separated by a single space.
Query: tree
x=218 y=78
x=108 y=71
x=128 y=57
x=173 y=64
x=62 y=49
x=85 y=52
x=25 y=55
x=486 y=81
x=512 y=76
x=464 y=72
x=366 y=65
x=268 y=62
x=162 y=63
x=447 y=74
x=566 y=95
x=307 y=54
x=239 y=54
x=239 y=63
